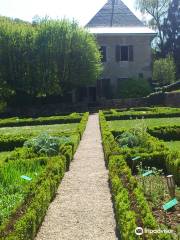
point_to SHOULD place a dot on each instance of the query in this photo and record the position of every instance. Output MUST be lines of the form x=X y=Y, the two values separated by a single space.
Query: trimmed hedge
x=131 y=207
x=134 y=113
x=166 y=133
x=173 y=165
x=37 y=198
x=16 y=122
x=9 y=142
x=161 y=158
x=82 y=125
x=28 y=216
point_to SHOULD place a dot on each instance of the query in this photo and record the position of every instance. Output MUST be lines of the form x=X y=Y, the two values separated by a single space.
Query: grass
x=3 y=156
x=38 y=129
x=12 y=185
x=173 y=145
x=150 y=122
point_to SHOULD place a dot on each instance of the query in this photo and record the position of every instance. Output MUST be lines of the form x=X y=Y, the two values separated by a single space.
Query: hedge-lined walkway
x=82 y=209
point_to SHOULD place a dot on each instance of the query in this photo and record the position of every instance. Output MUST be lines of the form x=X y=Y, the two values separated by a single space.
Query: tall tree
x=47 y=57
x=171 y=29
x=157 y=9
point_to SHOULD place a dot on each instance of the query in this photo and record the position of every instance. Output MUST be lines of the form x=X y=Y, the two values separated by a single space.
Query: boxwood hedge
x=29 y=214
x=131 y=207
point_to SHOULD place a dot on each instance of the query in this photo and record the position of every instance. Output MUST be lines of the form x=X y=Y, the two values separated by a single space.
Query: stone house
x=125 y=44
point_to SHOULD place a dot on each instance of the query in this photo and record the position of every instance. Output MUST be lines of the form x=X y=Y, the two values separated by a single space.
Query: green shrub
x=166 y=133
x=82 y=125
x=158 y=112
x=26 y=216
x=9 y=142
x=133 y=88
x=46 y=144
x=164 y=71
x=173 y=165
x=16 y=121
x=131 y=207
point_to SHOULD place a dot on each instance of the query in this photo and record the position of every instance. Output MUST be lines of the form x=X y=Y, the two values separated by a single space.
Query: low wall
x=172 y=99
x=123 y=103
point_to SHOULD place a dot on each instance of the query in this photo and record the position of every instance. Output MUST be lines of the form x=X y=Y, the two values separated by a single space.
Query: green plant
x=133 y=88
x=131 y=206
x=136 y=136
x=75 y=58
x=164 y=71
x=46 y=144
x=153 y=186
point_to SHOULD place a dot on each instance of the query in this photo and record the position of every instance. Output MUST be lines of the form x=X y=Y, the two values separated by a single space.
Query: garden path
x=82 y=209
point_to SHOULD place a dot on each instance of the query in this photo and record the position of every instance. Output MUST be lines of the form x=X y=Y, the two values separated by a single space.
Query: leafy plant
x=46 y=144
x=153 y=186
x=136 y=136
x=132 y=88
x=164 y=71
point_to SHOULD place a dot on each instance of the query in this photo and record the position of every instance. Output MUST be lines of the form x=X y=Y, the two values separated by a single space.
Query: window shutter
x=131 y=54
x=118 y=53
x=103 y=53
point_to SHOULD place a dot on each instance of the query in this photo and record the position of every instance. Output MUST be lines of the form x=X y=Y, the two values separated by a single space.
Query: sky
x=80 y=10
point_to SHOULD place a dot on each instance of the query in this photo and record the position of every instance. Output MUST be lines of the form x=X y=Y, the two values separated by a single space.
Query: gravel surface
x=82 y=209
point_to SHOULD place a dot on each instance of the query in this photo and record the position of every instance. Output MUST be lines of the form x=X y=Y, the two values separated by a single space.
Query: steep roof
x=114 y=14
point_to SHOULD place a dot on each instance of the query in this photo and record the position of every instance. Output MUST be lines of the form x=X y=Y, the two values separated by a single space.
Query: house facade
x=125 y=45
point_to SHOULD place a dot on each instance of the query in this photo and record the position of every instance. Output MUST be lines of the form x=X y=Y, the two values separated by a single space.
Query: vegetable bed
x=133 y=207
x=31 y=173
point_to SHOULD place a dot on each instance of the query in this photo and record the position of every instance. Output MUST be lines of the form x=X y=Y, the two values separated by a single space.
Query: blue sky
x=81 y=10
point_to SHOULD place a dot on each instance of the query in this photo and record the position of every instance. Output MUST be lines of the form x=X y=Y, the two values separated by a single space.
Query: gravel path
x=82 y=209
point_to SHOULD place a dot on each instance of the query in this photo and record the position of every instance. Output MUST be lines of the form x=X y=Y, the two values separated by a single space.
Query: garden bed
x=134 y=113
x=16 y=121
x=131 y=206
x=31 y=174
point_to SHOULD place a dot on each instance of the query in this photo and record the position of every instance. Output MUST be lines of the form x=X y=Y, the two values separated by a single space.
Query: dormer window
x=103 y=53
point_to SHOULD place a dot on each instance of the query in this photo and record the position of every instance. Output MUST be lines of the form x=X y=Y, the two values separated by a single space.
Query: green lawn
x=150 y=122
x=38 y=129
x=173 y=145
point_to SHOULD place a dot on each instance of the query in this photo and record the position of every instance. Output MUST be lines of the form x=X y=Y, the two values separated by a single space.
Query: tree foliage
x=133 y=88
x=171 y=30
x=47 y=57
x=157 y=9
x=164 y=71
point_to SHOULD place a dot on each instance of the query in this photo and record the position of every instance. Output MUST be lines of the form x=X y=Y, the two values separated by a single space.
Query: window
x=124 y=53
x=103 y=53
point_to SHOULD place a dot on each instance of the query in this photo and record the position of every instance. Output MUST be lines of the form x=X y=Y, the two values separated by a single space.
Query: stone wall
x=172 y=99
x=123 y=103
